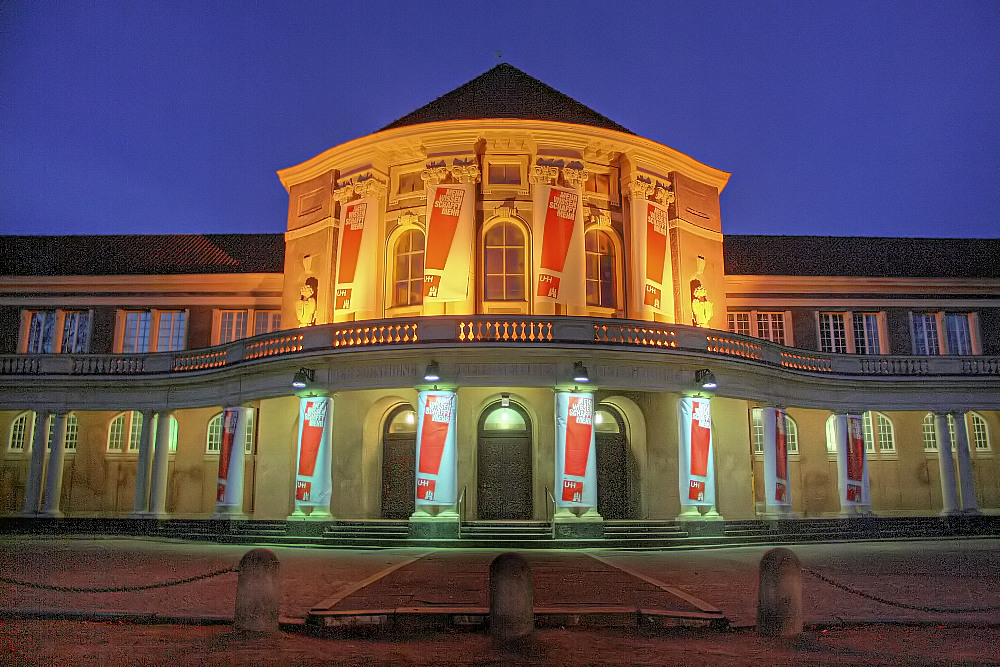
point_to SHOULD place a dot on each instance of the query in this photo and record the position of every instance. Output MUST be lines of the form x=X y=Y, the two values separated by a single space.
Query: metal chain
x=117 y=589
x=903 y=605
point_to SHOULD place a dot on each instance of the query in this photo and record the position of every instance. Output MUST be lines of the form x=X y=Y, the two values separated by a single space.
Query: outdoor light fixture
x=580 y=372
x=303 y=377
x=432 y=374
x=705 y=379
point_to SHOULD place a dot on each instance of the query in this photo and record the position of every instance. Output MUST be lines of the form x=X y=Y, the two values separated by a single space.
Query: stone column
x=949 y=493
x=161 y=457
x=777 y=486
x=36 y=469
x=576 y=514
x=852 y=465
x=53 y=478
x=146 y=439
x=232 y=461
x=435 y=513
x=966 y=482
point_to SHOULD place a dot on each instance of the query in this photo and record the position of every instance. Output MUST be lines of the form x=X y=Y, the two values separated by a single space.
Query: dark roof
x=874 y=257
x=145 y=254
x=506 y=92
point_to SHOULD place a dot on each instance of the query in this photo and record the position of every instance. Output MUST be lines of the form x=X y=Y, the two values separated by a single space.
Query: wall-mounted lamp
x=580 y=373
x=303 y=377
x=432 y=374
x=705 y=379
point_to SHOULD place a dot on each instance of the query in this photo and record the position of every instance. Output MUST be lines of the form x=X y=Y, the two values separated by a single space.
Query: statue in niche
x=701 y=308
x=305 y=307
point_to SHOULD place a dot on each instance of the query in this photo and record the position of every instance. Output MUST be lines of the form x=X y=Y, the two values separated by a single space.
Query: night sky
x=844 y=118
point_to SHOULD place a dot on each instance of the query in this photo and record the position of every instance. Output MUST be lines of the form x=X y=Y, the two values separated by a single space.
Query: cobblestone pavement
x=945 y=573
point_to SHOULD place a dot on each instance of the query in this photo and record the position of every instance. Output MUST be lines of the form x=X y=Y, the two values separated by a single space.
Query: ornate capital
x=465 y=173
x=600 y=218
x=408 y=218
x=344 y=193
x=545 y=174
x=639 y=188
x=575 y=178
x=370 y=187
x=434 y=175
x=664 y=193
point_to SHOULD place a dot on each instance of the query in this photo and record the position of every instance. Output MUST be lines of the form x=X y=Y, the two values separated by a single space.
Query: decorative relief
x=664 y=193
x=505 y=370
x=600 y=218
x=408 y=218
x=575 y=178
x=544 y=174
x=434 y=175
x=702 y=308
x=505 y=210
x=375 y=372
x=640 y=188
x=366 y=186
x=465 y=173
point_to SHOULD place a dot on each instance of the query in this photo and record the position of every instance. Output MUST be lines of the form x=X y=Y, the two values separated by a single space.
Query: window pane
x=832 y=333
x=957 y=330
x=135 y=434
x=136 y=339
x=41 y=332
x=76 y=327
x=739 y=323
x=866 y=338
x=925 y=333
x=504 y=419
x=771 y=326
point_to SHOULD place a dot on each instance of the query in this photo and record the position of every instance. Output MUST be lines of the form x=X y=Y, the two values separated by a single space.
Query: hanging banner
x=651 y=257
x=576 y=459
x=558 y=245
x=437 y=467
x=696 y=471
x=358 y=245
x=229 y=492
x=450 y=241
x=776 y=485
x=313 y=480
x=852 y=464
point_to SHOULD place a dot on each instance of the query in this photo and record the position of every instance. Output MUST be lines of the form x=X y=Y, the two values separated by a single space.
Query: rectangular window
x=957 y=334
x=925 y=337
x=233 y=326
x=75 y=332
x=136 y=337
x=944 y=333
x=866 y=333
x=761 y=324
x=170 y=334
x=832 y=333
x=145 y=331
x=41 y=332
x=599 y=183
x=771 y=326
x=410 y=182
x=504 y=174
x=739 y=323
x=266 y=321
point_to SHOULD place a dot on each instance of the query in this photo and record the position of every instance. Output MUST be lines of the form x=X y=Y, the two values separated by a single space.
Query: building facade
x=503 y=306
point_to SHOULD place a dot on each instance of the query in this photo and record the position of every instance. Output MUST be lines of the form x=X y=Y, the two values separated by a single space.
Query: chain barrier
x=902 y=605
x=117 y=589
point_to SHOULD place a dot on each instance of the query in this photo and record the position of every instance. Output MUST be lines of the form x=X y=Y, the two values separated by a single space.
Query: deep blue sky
x=847 y=118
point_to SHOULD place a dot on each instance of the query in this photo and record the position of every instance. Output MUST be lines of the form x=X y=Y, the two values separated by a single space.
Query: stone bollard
x=779 y=594
x=257 y=595
x=512 y=610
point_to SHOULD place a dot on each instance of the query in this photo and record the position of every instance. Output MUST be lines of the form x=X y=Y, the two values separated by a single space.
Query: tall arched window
x=408 y=268
x=213 y=443
x=127 y=427
x=757 y=432
x=601 y=268
x=504 y=263
x=980 y=433
x=20 y=431
x=72 y=429
x=877 y=428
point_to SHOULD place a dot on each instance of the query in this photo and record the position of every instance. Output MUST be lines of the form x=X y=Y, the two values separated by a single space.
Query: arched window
x=504 y=263
x=72 y=430
x=213 y=443
x=127 y=426
x=20 y=431
x=601 y=269
x=980 y=433
x=930 y=432
x=408 y=268
x=757 y=432
x=878 y=428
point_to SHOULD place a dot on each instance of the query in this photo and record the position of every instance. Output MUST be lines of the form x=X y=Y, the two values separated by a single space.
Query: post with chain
x=779 y=594
x=257 y=593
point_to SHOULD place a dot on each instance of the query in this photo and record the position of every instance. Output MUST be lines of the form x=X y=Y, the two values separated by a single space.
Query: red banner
x=656 y=242
x=558 y=245
x=780 y=446
x=229 y=418
x=701 y=438
x=433 y=435
x=350 y=241
x=445 y=211
x=855 y=450
x=579 y=428
x=313 y=423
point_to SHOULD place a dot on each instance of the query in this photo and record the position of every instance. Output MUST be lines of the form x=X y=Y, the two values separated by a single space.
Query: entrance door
x=614 y=465
x=504 y=463
x=399 y=453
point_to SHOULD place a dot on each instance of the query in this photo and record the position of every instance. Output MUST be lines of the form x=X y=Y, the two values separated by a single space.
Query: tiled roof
x=873 y=257
x=146 y=254
x=506 y=92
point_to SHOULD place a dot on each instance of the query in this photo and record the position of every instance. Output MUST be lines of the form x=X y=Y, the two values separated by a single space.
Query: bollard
x=512 y=609
x=257 y=596
x=779 y=594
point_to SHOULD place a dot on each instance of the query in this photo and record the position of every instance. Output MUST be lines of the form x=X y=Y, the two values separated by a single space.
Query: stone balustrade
x=497 y=330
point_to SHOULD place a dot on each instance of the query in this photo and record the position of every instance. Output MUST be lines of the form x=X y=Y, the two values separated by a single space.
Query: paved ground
x=951 y=574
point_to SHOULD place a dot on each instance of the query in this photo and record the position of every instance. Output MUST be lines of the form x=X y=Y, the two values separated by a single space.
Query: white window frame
x=754 y=328
x=847 y=318
x=58 y=326
x=129 y=434
x=213 y=437
x=614 y=195
x=871 y=450
x=518 y=160
x=757 y=434
x=22 y=428
x=153 y=344
x=940 y=320
x=72 y=433
x=251 y=322
x=616 y=244
x=976 y=429
x=522 y=306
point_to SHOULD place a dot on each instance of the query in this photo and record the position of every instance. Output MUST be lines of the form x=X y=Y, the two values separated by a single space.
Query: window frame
x=507 y=159
x=153 y=343
x=940 y=319
x=58 y=329
x=847 y=318
x=214 y=428
x=251 y=322
x=512 y=306
x=754 y=325
x=412 y=197
x=26 y=430
x=131 y=431
x=757 y=434
x=616 y=310
x=394 y=242
x=613 y=198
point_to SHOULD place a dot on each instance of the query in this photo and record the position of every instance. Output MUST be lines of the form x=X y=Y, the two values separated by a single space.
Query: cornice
x=590 y=140
x=830 y=285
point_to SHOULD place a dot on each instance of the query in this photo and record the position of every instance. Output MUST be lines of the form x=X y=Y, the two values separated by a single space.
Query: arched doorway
x=504 y=463
x=399 y=453
x=615 y=465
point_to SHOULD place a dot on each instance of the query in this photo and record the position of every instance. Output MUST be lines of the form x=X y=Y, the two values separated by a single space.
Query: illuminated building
x=563 y=267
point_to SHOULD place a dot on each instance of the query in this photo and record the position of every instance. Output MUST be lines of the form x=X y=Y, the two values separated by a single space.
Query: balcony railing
x=460 y=331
